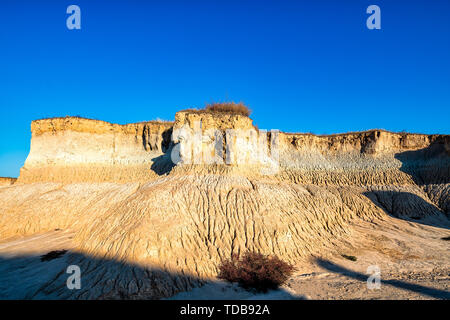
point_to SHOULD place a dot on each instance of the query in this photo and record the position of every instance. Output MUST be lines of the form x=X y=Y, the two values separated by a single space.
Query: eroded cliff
x=156 y=206
x=80 y=150
x=7 y=181
x=83 y=150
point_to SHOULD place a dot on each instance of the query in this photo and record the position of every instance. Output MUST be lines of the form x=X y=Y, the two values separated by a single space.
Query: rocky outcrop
x=113 y=188
x=365 y=158
x=82 y=150
x=7 y=181
x=218 y=140
x=373 y=142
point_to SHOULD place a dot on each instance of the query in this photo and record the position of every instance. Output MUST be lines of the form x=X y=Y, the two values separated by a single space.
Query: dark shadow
x=165 y=143
x=28 y=277
x=163 y=164
x=409 y=207
x=431 y=292
x=430 y=165
x=167 y=140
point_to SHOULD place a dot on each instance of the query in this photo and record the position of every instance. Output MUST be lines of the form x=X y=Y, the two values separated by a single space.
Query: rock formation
x=82 y=150
x=7 y=181
x=155 y=206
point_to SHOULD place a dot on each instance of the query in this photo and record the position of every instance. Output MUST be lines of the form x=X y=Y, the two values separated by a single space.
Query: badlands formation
x=148 y=210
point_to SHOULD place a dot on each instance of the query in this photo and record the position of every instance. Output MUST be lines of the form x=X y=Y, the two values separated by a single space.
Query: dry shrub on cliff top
x=255 y=271
x=224 y=107
x=228 y=107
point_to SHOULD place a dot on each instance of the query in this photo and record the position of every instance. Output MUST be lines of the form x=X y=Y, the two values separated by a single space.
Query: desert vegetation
x=224 y=107
x=348 y=257
x=53 y=255
x=255 y=271
x=229 y=107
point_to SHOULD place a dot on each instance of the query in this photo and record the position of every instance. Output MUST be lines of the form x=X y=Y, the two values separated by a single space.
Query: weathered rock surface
x=142 y=229
x=83 y=150
x=7 y=181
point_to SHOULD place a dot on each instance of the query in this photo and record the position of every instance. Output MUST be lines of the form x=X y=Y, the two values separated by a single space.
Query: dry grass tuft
x=224 y=107
x=351 y=258
x=229 y=107
x=53 y=255
x=256 y=271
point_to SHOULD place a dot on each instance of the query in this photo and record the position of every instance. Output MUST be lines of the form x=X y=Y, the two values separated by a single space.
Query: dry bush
x=53 y=255
x=348 y=257
x=255 y=271
x=228 y=107
x=223 y=107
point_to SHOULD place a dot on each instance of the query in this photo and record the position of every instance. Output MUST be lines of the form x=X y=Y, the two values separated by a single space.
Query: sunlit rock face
x=83 y=150
x=7 y=181
x=202 y=138
x=152 y=208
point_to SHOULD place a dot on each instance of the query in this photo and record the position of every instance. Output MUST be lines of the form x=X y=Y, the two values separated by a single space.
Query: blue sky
x=301 y=66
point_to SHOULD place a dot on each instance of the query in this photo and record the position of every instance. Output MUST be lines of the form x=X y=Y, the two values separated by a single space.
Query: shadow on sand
x=163 y=164
x=430 y=165
x=430 y=292
x=31 y=277
x=410 y=207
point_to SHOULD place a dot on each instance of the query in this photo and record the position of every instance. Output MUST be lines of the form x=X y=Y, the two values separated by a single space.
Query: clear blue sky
x=301 y=66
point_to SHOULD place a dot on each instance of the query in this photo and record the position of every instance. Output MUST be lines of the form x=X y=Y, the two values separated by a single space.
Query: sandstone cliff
x=117 y=189
x=82 y=150
x=7 y=181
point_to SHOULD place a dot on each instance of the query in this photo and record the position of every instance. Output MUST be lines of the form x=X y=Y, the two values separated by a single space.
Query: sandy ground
x=339 y=280
x=22 y=273
x=413 y=259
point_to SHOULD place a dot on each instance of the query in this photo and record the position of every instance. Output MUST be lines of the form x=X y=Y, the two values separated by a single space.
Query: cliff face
x=221 y=140
x=74 y=149
x=7 y=181
x=365 y=158
x=216 y=200
x=373 y=142
x=80 y=150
